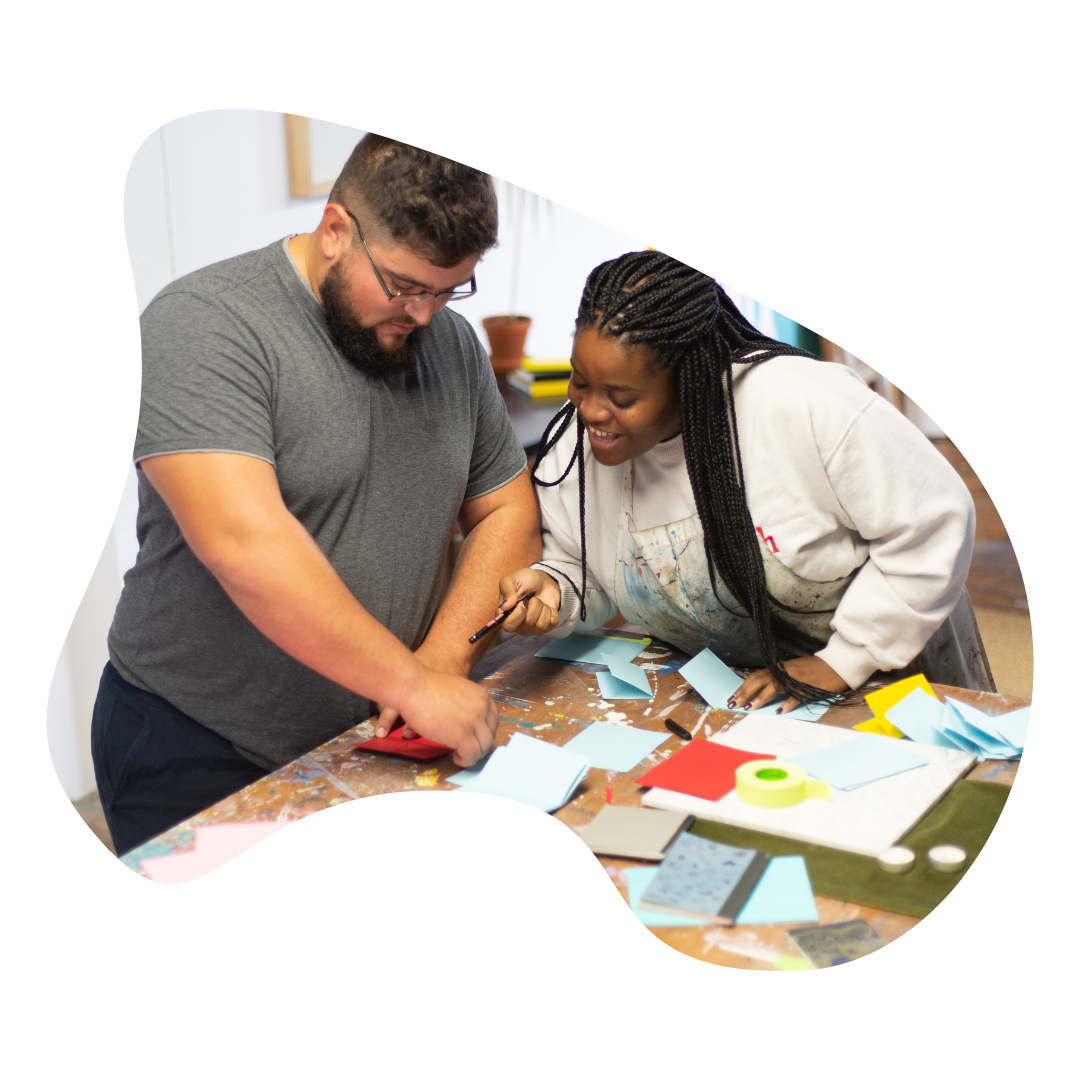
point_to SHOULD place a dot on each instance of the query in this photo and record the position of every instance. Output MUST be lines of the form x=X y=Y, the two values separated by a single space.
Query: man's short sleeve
x=206 y=381
x=497 y=455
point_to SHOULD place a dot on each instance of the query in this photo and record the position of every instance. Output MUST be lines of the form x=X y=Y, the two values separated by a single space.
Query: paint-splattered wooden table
x=553 y=700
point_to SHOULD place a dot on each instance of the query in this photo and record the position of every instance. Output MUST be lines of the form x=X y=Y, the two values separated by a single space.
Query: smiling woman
x=739 y=494
x=626 y=402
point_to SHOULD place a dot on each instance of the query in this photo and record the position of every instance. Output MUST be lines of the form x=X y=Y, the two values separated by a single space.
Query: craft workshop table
x=553 y=700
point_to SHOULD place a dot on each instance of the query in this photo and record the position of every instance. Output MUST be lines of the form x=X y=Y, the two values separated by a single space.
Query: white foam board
x=865 y=821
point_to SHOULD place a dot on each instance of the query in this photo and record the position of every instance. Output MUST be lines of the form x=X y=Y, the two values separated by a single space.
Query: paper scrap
x=638 y=879
x=623 y=680
x=918 y=716
x=877 y=725
x=783 y=895
x=214 y=845
x=612 y=746
x=465 y=778
x=702 y=768
x=1013 y=726
x=855 y=762
x=812 y=712
x=793 y=963
x=587 y=648
x=633 y=832
x=975 y=725
x=881 y=701
x=396 y=743
x=529 y=770
x=711 y=678
x=615 y=689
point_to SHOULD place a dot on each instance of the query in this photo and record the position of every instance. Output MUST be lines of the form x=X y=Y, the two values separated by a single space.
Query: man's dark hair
x=442 y=209
x=696 y=332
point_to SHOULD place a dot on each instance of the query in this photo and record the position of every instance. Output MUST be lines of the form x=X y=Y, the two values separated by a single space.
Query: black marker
x=497 y=621
x=677 y=729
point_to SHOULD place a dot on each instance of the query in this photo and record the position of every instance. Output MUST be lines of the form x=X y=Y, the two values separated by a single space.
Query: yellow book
x=540 y=389
x=541 y=367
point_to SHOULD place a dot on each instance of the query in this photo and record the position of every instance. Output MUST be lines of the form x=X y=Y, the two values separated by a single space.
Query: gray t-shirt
x=236 y=358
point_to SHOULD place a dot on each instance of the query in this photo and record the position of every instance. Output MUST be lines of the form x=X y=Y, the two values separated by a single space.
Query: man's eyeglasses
x=407 y=296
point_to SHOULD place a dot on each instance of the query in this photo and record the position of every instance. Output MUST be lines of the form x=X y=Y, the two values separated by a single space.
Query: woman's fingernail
x=780 y=710
x=380 y=732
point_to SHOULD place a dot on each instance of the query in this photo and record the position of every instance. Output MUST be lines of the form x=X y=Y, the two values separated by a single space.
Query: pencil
x=498 y=620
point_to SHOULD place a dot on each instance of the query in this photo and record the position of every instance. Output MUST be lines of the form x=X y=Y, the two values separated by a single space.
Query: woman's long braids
x=648 y=298
x=561 y=421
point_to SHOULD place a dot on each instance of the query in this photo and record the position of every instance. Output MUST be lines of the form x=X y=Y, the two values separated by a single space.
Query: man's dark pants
x=154 y=765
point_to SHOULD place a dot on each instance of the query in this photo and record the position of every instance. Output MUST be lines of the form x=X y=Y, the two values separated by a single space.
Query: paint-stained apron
x=662 y=584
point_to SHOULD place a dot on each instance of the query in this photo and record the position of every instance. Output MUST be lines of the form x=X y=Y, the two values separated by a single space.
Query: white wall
x=212 y=185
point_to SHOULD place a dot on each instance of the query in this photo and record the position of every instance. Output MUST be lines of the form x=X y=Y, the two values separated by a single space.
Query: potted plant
x=506 y=336
x=506 y=333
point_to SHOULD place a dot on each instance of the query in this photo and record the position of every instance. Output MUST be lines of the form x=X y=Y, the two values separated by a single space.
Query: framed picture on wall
x=317 y=151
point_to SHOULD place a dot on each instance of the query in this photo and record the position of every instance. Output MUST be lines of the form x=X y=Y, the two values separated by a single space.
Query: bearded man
x=313 y=420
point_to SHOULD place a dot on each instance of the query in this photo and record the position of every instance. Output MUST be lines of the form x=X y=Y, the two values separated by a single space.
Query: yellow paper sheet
x=878 y=726
x=881 y=701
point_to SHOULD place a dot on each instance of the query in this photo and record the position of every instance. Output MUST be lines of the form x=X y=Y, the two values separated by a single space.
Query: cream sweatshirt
x=837 y=480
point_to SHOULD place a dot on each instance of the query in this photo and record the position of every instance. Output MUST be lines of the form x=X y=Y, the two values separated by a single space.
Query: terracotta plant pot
x=506 y=334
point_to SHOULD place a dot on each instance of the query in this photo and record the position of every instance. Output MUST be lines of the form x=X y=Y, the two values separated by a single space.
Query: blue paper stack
x=527 y=770
x=623 y=681
x=957 y=726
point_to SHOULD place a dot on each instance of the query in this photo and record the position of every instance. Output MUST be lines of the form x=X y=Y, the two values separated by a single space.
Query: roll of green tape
x=776 y=784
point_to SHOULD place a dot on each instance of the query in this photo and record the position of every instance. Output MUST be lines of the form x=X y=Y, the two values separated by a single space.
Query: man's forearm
x=500 y=543
x=286 y=587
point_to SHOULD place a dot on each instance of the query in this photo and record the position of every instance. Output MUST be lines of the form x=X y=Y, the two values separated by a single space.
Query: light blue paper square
x=918 y=716
x=465 y=778
x=950 y=728
x=613 y=689
x=977 y=719
x=979 y=728
x=812 y=712
x=611 y=746
x=783 y=895
x=1013 y=726
x=531 y=771
x=716 y=682
x=637 y=881
x=858 y=761
x=711 y=678
x=629 y=673
x=587 y=649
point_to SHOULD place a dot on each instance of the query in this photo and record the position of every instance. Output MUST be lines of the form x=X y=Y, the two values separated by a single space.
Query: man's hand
x=431 y=657
x=541 y=613
x=760 y=688
x=450 y=710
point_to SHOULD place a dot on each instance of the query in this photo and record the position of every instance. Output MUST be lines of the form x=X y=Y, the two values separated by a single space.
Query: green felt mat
x=965 y=816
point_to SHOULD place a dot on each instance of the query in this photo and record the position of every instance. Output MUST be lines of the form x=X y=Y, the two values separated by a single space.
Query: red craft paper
x=396 y=743
x=702 y=768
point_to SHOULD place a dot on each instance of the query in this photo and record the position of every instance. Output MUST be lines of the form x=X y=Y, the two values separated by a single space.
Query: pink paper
x=214 y=846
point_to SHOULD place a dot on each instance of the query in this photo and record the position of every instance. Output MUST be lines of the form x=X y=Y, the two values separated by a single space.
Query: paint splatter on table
x=553 y=700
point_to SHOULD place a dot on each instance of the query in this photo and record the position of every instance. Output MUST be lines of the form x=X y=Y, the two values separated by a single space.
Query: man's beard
x=358 y=344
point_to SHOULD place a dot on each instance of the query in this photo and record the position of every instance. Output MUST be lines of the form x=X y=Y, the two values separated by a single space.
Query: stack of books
x=541 y=380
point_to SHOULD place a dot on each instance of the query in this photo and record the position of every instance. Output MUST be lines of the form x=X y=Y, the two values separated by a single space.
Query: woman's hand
x=541 y=613
x=760 y=688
